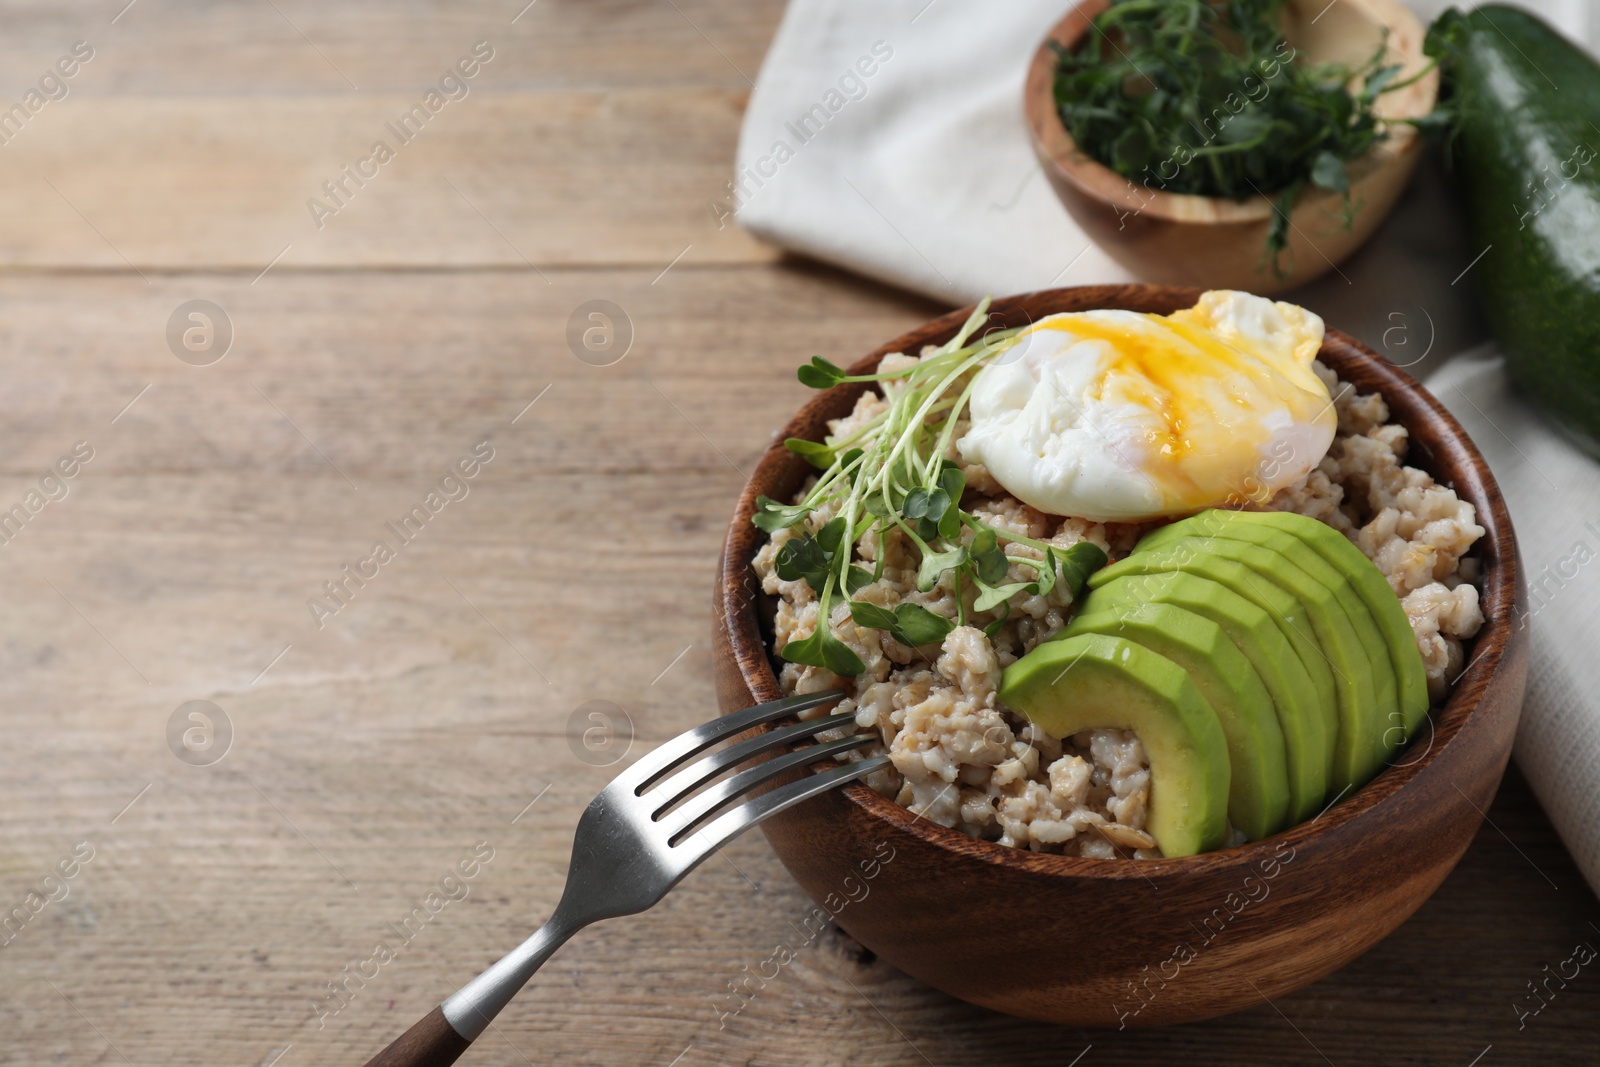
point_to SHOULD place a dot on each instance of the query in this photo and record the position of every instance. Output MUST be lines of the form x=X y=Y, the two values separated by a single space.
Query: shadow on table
x=1449 y=987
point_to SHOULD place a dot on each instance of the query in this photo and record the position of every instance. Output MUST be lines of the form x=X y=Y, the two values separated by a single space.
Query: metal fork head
x=646 y=830
x=630 y=849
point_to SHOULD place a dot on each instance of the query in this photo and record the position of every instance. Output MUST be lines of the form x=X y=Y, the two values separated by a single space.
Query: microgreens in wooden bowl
x=1248 y=144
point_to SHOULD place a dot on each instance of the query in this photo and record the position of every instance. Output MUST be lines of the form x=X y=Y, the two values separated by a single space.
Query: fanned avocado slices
x=1281 y=607
x=1360 y=751
x=1284 y=531
x=1310 y=728
x=1269 y=630
x=1258 y=803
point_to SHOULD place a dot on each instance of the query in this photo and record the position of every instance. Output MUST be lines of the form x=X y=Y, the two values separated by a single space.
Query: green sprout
x=892 y=474
x=1205 y=97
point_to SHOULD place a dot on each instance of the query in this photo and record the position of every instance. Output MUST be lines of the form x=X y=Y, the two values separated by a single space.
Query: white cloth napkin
x=888 y=137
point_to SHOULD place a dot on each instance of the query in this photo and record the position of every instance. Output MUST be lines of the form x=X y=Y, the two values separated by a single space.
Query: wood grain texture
x=499 y=179
x=419 y=722
x=299 y=47
x=197 y=134
x=1215 y=932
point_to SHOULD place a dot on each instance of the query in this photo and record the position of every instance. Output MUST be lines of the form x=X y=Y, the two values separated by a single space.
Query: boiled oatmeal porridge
x=962 y=758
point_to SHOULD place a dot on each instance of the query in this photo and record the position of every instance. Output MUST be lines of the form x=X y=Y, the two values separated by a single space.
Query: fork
x=638 y=838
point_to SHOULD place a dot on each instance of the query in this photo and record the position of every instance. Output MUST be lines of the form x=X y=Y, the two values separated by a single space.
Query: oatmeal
x=960 y=758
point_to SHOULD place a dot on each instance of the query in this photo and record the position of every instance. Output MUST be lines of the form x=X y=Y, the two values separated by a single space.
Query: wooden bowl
x=1218 y=243
x=1091 y=942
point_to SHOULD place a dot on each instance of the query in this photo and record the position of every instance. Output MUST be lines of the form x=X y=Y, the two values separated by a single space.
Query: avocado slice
x=1094 y=680
x=1284 y=610
x=1258 y=797
x=1257 y=546
x=1359 y=751
x=1365 y=581
x=1310 y=729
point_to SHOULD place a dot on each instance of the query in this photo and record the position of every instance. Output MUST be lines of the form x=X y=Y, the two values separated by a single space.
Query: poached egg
x=1119 y=416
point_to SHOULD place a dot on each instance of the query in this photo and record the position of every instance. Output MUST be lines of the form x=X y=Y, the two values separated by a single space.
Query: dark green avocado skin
x=1527 y=159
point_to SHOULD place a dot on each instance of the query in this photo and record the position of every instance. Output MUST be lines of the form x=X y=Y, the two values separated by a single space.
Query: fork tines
x=691 y=819
x=651 y=766
x=707 y=802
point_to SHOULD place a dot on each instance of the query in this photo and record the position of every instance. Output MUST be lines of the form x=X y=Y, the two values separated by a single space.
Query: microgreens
x=1206 y=97
x=892 y=474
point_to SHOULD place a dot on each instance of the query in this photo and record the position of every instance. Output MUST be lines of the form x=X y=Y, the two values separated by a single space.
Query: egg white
x=1118 y=416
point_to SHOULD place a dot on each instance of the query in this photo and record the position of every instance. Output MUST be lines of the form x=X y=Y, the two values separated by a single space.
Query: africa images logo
x=338 y=592
x=455 y=84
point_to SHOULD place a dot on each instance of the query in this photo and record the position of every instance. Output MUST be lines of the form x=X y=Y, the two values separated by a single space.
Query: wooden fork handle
x=432 y=1042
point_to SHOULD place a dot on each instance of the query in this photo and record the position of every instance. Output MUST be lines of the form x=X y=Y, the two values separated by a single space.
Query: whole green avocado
x=1526 y=157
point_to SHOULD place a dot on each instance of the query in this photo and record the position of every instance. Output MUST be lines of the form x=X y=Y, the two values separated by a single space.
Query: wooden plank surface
x=197 y=134
x=432 y=715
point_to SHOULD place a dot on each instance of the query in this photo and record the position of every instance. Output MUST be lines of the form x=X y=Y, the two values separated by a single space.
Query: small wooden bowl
x=1179 y=239
x=1091 y=942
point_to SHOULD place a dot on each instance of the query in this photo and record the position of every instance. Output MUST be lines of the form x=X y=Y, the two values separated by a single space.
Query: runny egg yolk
x=1122 y=416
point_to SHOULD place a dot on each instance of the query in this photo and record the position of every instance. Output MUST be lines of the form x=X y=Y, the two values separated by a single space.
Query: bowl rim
x=1057 y=149
x=1409 y=403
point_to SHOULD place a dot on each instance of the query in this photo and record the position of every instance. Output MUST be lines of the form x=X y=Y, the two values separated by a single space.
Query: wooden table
x=440 y=711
